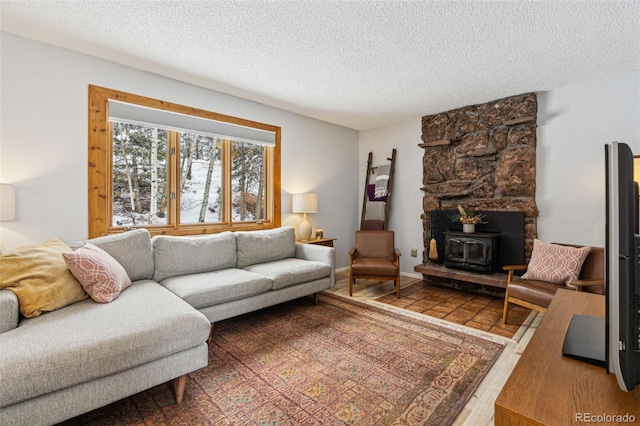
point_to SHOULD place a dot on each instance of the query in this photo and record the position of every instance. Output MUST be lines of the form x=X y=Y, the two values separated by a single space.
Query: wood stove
x=476 y=252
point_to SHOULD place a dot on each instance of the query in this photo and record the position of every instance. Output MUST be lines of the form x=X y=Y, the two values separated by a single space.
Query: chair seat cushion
x=374 y=267
x=537 y=292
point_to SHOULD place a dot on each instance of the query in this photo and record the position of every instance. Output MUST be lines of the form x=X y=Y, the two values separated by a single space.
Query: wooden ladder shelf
x=367 y=223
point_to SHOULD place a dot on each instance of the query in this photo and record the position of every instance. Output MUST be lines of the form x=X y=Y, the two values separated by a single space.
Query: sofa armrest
x=9 y=310
x=319 y=254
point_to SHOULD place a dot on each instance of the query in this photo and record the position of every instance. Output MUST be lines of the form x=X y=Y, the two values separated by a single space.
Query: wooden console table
x=546 y=388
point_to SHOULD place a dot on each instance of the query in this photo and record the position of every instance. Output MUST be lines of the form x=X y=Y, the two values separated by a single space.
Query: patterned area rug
x=337 y=363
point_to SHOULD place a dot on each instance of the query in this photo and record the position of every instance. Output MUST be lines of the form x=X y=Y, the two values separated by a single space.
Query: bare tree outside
x=140 y=179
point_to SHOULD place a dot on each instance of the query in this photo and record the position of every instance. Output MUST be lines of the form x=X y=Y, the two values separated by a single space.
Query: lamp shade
x=7 y=202
x=304 y=203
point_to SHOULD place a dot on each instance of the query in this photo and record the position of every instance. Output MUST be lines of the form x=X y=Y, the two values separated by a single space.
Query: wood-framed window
x=178 y=170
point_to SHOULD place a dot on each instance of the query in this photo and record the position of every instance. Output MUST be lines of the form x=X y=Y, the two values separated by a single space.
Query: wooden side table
x=320 y=242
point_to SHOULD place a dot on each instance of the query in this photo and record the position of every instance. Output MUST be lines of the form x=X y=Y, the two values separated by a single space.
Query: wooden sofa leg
x=178 y=388
x=316 y=298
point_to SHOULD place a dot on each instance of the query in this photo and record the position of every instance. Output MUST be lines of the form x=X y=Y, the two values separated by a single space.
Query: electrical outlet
x=414 y=252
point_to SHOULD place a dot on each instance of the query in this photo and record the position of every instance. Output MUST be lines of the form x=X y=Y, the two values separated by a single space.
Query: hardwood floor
x=479 y=408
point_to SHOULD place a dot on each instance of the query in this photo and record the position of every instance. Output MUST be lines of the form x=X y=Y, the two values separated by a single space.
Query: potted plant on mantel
x=469 y=219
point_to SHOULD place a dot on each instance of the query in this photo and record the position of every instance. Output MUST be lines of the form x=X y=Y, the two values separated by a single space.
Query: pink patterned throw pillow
x=555 y=263
x=100 y=274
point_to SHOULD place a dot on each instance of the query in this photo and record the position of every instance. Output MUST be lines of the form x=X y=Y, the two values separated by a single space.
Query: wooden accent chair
x=537 y=295
x=374 y=257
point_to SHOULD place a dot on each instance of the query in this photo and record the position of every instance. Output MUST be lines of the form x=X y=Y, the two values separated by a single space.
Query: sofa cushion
x=555 y=263
x=265 y=246
x=39 y=276
x=289 y=272
x=88 y=340
x=212 y=288
x=101 y=276
x=132 y=249
x=174 y=256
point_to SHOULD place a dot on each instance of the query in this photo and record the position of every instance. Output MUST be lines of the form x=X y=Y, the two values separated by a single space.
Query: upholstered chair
x=374 y=257
x=537 y=295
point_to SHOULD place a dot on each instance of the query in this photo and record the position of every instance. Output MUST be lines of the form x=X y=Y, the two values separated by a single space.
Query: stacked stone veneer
x=484 y=158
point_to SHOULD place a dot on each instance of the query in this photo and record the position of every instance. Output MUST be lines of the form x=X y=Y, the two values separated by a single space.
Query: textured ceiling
x=360 y=64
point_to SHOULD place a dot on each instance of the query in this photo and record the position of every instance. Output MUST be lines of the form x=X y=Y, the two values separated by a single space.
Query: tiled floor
x=473 y=310
x=481 y=312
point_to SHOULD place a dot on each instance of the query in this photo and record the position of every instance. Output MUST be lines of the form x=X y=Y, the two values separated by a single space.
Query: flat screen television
x=623 y=270
x=614 y=341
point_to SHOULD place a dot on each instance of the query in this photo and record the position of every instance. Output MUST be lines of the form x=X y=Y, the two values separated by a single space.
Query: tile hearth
x=477 y=311
x=481 y=312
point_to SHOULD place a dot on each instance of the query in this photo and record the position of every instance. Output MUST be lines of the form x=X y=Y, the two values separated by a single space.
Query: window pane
x=247 y=181
x=200 y=178
x=139 y=175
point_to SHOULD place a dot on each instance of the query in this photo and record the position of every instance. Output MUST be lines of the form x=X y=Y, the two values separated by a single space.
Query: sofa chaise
x=86 y=355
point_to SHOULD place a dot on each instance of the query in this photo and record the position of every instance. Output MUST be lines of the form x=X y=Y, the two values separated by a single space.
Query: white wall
x=43 y=150
x=574 y=124
x=43 y=143
x=406 y=201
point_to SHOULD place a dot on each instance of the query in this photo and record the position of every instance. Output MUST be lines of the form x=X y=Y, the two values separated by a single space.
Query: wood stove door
x=477 y=252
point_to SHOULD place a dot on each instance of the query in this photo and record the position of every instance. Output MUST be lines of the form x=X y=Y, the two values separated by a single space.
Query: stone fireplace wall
x=482 y=157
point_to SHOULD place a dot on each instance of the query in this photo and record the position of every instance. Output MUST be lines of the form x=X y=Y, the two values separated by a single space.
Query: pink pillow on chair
x=100 y=274
x=555 y=263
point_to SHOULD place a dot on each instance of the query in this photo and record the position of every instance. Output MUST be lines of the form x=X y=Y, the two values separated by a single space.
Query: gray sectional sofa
x=86 y=355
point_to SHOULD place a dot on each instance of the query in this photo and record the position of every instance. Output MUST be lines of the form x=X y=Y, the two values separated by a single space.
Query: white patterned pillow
x=100 y=274
x=555 y=263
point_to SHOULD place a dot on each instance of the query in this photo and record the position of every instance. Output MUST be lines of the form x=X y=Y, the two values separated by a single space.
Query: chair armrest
x=352 y=252
x=511 y=269
x=397 y=253
x=585 y=283
x=515 y=267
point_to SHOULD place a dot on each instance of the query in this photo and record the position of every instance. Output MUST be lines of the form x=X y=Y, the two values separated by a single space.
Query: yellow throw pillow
x=39 y=276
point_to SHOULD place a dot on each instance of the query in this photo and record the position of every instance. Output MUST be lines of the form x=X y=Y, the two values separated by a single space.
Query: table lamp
x=304 y=203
